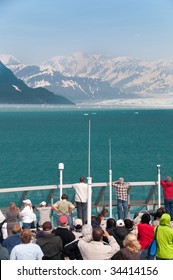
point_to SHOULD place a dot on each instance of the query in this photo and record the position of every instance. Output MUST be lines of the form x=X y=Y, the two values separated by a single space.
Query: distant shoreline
x=142 y=103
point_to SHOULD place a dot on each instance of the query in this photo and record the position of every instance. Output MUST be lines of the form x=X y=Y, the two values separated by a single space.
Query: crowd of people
x=27 y=237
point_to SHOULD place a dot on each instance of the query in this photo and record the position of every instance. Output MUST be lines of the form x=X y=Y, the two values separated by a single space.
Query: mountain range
x=82 y=77
x=15 y=91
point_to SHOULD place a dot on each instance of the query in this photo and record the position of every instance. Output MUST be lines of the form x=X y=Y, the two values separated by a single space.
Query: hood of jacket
x=165 y=220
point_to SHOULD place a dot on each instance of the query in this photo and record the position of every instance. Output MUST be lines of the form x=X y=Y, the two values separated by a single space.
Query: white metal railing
x=91 y=185
x=31 y=188
x=24 y=192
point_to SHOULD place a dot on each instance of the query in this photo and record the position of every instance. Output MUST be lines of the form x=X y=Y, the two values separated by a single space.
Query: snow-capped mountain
x=128 y=74
x=81 y=77
x=15 y=91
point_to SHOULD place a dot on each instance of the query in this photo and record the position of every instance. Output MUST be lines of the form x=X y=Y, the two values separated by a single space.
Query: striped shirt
x=121 y=190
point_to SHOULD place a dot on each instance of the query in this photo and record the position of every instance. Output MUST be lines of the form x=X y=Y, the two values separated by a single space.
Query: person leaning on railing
x=81 y=198
x=27 y=215
x=121 y=194
x=167 y=186
x=44 y=211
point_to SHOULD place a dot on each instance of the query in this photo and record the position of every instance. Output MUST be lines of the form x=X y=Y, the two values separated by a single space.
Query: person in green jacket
x=164 y=239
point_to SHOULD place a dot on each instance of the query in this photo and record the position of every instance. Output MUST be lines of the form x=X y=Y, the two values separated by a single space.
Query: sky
x=36 y=30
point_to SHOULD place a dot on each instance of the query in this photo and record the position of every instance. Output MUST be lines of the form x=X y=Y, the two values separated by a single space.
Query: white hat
x=120 y=223
x=43 y=203
x=78 y=222
x=27 y=201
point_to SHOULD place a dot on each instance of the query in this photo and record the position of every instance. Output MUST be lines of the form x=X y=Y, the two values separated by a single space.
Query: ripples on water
x=34 y=140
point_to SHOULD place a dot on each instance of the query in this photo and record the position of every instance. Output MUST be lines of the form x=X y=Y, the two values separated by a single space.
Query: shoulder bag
x=152 y=248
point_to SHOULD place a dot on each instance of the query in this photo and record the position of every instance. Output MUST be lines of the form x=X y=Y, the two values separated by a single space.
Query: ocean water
x=34 y=140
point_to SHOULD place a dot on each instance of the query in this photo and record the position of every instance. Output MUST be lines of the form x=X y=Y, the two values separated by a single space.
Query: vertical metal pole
x=52 y=221
x=61 y=175
x=110 y=181
x=89 y=149
x=89 y=181
x=61 y=168
x=89 y=200
x=159 y=195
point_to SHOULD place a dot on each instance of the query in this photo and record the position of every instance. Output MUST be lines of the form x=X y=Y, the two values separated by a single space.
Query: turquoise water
x=34 y=141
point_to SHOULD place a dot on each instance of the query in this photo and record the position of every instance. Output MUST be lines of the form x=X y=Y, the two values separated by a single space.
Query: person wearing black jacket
x=119 y=232
x=50 y=244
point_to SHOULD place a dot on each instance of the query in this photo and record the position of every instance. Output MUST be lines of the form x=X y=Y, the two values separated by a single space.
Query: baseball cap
x=120 y=223
x=27 y=201
x=62 y=220
x=78 y=222
x=43 y=203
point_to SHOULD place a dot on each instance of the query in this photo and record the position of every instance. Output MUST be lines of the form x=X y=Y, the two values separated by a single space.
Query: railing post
x=158 y=174
x=52 y=221
x=61 y=168
x=89 y=180
x=128 y=201
x=110 y=193
x=110 y=181
x=89 y=203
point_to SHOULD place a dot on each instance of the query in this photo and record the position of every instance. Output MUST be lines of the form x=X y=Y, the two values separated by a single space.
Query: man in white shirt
x=81 y=197
x=96 y=249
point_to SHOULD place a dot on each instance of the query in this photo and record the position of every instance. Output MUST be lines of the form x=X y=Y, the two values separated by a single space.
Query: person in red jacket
x=167 y=186
x=145 y=235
